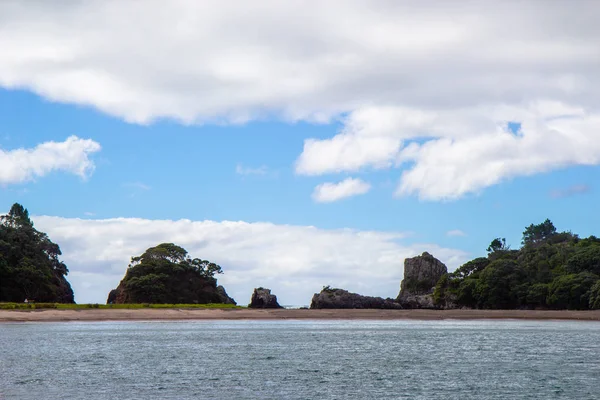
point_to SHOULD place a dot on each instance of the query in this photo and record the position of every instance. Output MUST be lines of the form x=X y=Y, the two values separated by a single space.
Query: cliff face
x=421 y=274
x=339 y=298
x=262 y=298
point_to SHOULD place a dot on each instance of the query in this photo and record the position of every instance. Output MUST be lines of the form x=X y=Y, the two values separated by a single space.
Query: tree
x=29 y=262
x=572 y=291
x=534 y=234
x=585 y=259
x=498 y=244
x=167 y=274
x=595 y=296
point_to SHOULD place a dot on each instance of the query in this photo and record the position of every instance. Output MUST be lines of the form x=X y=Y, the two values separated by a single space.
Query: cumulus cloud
x=426 y=86
x=72 y=156
x=294 y=261
x=329 y=192
x=448 y=154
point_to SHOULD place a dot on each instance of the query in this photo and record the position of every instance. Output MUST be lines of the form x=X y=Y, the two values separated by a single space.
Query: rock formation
x=166 y=274
x=421 y=274
x=225 y=299
x=339 y=298
x=262 y=298
x=192 y=290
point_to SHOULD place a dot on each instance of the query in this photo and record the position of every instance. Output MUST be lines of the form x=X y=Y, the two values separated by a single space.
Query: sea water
x=300 y=360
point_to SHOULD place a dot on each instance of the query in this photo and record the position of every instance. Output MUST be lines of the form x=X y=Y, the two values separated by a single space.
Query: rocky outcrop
x=262 y=298
x=225 y=299
x=340 y=298
x=421 y=274
x=183 y=288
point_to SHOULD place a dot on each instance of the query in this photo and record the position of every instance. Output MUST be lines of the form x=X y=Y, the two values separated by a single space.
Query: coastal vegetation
x=166 y=274
x=30 y=267
x=551 y=270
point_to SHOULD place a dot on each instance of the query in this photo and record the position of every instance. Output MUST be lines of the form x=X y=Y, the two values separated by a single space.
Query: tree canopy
x=551 y=270
x=538 y=233
x=30 y=267
x=167 y=274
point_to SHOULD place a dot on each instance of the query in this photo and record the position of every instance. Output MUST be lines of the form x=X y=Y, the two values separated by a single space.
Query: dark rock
x=112 y=296
x=262 y=298
x=184 y=288
x=340 y=298
x=225 y=299
x=421 y=274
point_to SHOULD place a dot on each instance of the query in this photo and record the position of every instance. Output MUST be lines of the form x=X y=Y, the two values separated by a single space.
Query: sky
x=297 y=144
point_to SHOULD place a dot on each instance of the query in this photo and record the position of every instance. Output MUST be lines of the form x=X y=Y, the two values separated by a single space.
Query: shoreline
x=53 y=315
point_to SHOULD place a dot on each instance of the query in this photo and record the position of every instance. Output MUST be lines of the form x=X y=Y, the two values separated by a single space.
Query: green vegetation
x=555 y=270
x=29 y=263
x=165 y=274
x=72 y=306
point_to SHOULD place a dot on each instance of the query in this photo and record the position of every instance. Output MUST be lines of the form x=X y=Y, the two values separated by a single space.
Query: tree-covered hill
x=555 y=270
x=29 y=264
x=166 y=274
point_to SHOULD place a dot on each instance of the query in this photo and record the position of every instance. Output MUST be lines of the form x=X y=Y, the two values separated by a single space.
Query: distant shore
x=51 y=315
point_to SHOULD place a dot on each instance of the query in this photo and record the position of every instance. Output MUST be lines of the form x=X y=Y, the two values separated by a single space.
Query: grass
x=67 y=306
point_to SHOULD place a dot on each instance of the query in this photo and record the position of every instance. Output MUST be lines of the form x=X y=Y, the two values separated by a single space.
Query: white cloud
x=329 y=192
x=72 y=155
x=455 y=233
x=447 y=154
x=242 y=170
x=294 y=261
x=426 y=84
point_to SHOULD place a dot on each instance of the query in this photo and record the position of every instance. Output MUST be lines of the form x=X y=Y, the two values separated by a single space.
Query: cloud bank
x=294 y=261
x=428 y=87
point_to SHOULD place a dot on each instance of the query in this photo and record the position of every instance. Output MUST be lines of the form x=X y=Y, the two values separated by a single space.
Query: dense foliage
x=551 y=270
x=29 y=264
x=166 y=274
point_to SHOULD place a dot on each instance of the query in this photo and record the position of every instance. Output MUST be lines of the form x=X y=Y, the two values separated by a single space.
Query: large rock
x=339 y=298
x=262 y=298
x=225 y=299
x=421 y=274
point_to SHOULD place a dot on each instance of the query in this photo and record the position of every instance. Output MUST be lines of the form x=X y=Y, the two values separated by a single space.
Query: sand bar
x=52 y=315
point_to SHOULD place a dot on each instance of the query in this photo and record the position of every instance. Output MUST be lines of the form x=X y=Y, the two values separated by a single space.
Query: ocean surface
x=300 y=360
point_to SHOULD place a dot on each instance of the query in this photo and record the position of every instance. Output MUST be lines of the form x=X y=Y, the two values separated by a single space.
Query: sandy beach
x=241 y=314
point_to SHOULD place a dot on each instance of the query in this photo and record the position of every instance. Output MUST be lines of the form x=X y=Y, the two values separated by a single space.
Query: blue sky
x=332 y=169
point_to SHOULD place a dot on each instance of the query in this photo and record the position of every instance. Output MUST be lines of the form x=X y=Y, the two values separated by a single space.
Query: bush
x=572 y=291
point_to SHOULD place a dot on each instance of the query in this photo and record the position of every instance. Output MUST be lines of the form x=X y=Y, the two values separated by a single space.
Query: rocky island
x=339 y=298
x=421 y=274
x=262 y=298
x=165 y=274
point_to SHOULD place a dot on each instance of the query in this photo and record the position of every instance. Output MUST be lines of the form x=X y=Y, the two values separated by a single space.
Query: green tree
x=585 y=259
x=595 y=296
x=498 y=244
x=535 y=234
x=572 y=291
x=167 y=274
x=29 y=262
x=499 y=285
